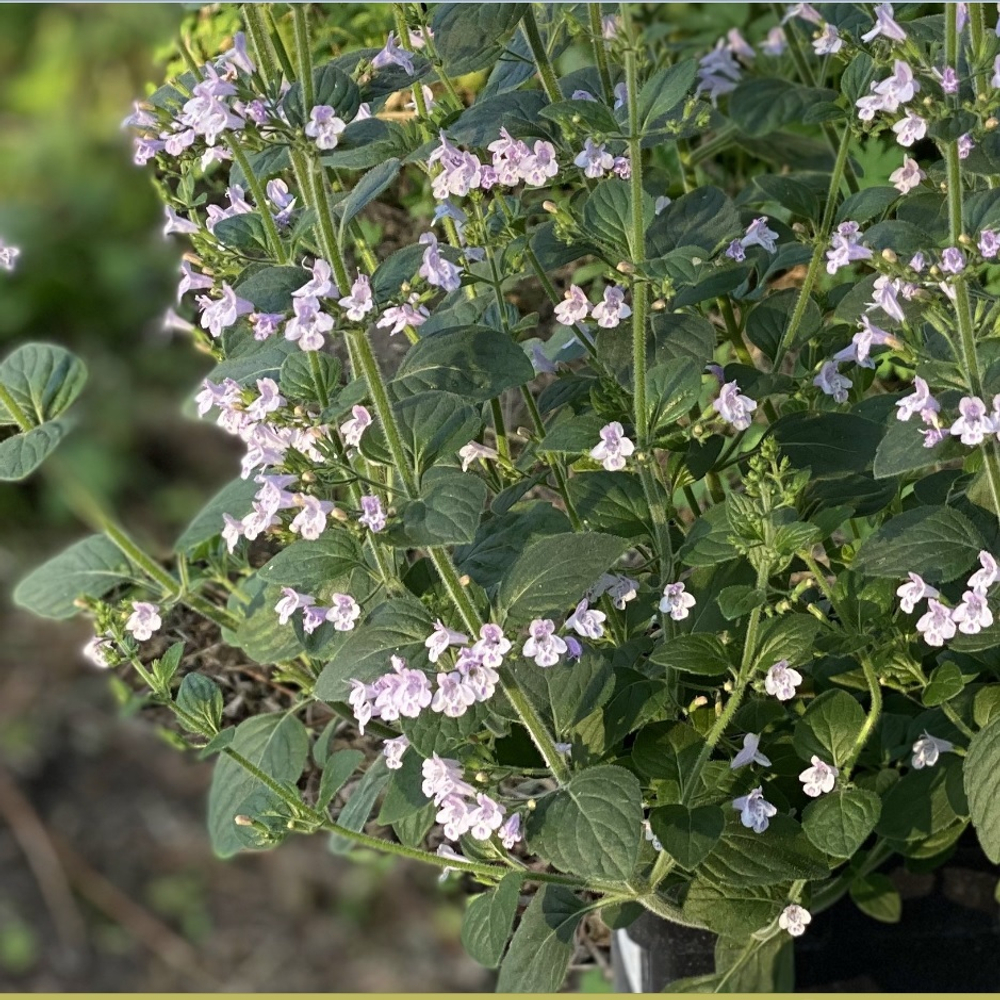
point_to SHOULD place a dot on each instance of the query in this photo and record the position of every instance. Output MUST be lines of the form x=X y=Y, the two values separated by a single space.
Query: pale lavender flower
x=410 y=313
x=492 y=645
x=441 y=638
x=220 y=314
x=510 y=832
x=324 y=126
x=404 y=692
x=429 y=103
x=614 y=448
x=435 y=269
x=948 y=79
x=622 y=167
x=908 y=176
x=343 y=612
x=911 y=593
x=936 y=625
x=9 y=254
x=460 y=171
x=479 y=679
x=750 y=754
x=989 y=244
x=621 y=590
x=868 y=106
x=290 y=602
x=144 y=620
x=453 y=696
x=736 y=252
x=965 y=146
x=739 y=46
x=473 y=451
x=309 y=324
x=312 y=618
x=321 y=285
x=610 y=25
x=455 y=815
x=620 y=93
x=759 y=235
x=266 y=324
x=258 y=521
x=232 y=531
x=594 y=159
x=540 y=165
x=986 y=575
x=662 y=201
x=973 y=614
x=845 y=248
x=191 y=280
x=718 y=72
x=573 y=649
x=282 y=199
x=952 y=260
x=393 y=751
x=828 y=42
x=781 y=681
x=774 y=44
x=394 y=55
x=928 y=749
x=574 y=307
x=885 y=296
x=794 y=919
x=486 y=818
x=582 y=95
x=805 y=11
x=587 y=621
x=859 y=349
x=819 y=778
x=917 y=401
x=910 y=129
x=543 y=645
x=310 y=522
x=352 y=428
x=995 y=79
x=612 y=309
x=442 y=777
x=97 y=649
x=676 y=602
x=755 y=810
x=360 y=302
x=734 y=407
x=832 y=383
x=360 y=700
x=372 y=515
x=974 y=423
x=898 y=88
x=885 y=25
x=268 y=400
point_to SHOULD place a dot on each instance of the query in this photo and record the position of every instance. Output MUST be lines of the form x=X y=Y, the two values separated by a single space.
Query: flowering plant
x=659 y=571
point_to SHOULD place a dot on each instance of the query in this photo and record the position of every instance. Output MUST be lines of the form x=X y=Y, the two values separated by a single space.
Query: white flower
x=343 y=612
x=587 y=621
x=750 y=753
x=910 y=594
x=393 y=750
x=927 y=750
x=473 y=451
x=733 y=407
x=819 y=778
x=974 y=423
x=144 y=620
x=324 y=126
x=310 y=522
x=908 y=176
x=937 y=625
x=782 y=680
x=828 y=42
x=755 y=810
x=574 y=307
x=290 y=602
x=917 y=401
x=758 y=234
x=543 y=645
x=794 y=919
x=355 y=426
x=492 y=645
x=614 y=447
x=441 y=638
x=832 y=383
x=973 y=614
x=675 y=602
x=984 y=578
x=650 y=836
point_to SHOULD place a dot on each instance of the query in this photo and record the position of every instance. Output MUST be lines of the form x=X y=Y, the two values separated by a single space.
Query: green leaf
x=902 y=450
x=587 y=117
x=982 y=786
x=543 y=944
x=447 y=512
x=733 y=910
x=796 y=196
x=244 y=232
x=367 y=189
x=607 y=214
x=739 y=600
x=234 y=499
x=755 y=966
x=21 y=454
x=366 y=143
x=688 y=835
x=769 y=320
x=698 y=653
x=404 y=795
x=258 y=632
x=876 y=895
x=276 y=744
x=475 y=363
x=703 y=218
x=359 y=806
x=939 y=543
x=707 y=542
x=788 y=637
x=673 y=387
x=575 y=435
x=666 y=751
x=488 y=920
x=332 y=86
x=337 y=769
x=516 y=111
x=829 y=444
x=946 y=682
x=986 y=705
x=682 y=335
x=867 y=204
x=829 y=727
x=469 y=37
x=266 y=362
x=166 y=666
x=300 y=383
x=88 y=568
x=591 y=825
x=201 y=698
x=567 y=693
x=435 y=424
x=553 y=573
x=612 y=502
x=311 y=565
x=43 y=379
x=433 y=732
x=395 y=627
x=839 y=823
x=664 y=90
x=760 y=107
x=924 y=812
x=270 y=288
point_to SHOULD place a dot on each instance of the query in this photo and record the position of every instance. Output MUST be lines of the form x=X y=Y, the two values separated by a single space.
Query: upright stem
x=871 y=719
x=274 y=243
x=260 y=39
x=600 y=54
x=542 y=62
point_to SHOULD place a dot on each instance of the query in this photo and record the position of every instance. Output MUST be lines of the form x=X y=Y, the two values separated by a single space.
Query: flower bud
x=465 y=579
x=339 y=515
x=890 y=255
x=551 y=207
x=482 y=777
x=965 y=240
x=928 y=101
x=243 y=820
x=625 y=267
x=308 y=476
x=532 y=805
x=935 y=271
x=991 y=123
x=658 y=305
x=799 y=228
x=299 y=411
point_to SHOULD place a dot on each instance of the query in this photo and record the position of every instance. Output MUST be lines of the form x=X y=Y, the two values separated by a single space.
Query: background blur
x=108 y=880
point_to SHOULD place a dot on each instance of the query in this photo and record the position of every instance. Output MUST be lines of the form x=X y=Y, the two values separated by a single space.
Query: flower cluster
x=342 y=612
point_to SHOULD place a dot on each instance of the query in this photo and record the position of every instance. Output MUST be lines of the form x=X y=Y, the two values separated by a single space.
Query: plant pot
x=947 y=940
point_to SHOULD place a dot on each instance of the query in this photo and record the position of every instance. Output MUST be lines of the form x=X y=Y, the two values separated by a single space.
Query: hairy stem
x=600 y=53
x=260 y=40
x=303 y=55
x=274 y=243
x=541 y=57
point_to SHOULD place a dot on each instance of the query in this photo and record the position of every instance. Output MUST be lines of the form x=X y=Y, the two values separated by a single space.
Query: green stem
x=303 y=55
x=541 y=57
x=802 y=303
x=270 y=229
x=15 y=409
x=260 y=39
x=318 y=378
x=871 y=719
x=977 y=33
x=503 y=445
x=279 y=46
x=662 y=907
x=820 y=576
x=957 y=720
x=312 y=186
x=600 y=53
